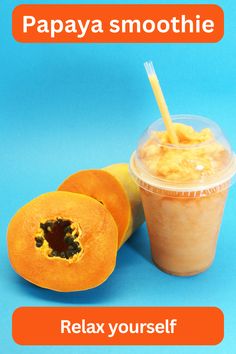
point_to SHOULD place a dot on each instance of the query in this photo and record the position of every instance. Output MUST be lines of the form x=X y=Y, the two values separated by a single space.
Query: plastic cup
x=184 y=217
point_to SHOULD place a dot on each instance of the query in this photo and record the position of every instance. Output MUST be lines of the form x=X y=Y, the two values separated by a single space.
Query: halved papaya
x=115 y=189
x=63 y=241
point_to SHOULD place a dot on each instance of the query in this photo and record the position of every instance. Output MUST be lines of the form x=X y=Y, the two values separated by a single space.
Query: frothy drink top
x=197 y=155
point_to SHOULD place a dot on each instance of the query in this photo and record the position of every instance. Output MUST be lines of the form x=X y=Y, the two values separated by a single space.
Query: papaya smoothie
x=183 y=189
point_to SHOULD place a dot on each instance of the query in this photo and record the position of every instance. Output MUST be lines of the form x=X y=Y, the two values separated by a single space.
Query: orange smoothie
x=183 y=231
x=183 y=189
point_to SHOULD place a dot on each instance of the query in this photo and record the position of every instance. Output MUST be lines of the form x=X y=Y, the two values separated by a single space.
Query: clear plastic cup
x=184 y=216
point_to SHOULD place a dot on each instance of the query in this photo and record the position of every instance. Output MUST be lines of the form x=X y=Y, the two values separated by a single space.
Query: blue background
x=69 y=107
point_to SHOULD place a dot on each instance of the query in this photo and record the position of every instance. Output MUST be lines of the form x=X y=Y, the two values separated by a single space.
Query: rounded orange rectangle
x=118 y=325
x=106 y=23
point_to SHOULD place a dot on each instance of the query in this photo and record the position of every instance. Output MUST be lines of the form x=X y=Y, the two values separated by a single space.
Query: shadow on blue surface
x=97 y=295
x=138 y=242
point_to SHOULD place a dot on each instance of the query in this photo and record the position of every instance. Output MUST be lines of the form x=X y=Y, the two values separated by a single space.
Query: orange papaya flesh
x=63 y=241
x=106 y=189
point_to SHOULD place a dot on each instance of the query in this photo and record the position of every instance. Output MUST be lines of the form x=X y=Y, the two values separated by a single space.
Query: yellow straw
x=161 y=102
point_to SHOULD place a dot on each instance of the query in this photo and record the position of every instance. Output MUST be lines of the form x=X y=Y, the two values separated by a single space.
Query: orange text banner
x=118 y=325
x=149 y=23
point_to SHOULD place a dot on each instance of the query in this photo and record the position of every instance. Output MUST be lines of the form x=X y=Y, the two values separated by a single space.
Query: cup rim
x=151 y=183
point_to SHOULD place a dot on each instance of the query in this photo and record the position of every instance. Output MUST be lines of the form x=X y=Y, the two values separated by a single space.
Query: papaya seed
x=69 y=253
x=69 y=240
x=68 y=229
x=43 y=227
x=39 y=241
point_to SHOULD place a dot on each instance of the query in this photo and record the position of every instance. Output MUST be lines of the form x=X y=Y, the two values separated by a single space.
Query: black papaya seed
x=76 y=245
x=39 y=241
x=62 y=255
x=69 y=240
x=43 y=227
x=69 y=253
x=68 y=229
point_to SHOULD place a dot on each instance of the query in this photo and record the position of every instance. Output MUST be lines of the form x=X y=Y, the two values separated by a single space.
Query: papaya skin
x=121 y=172
x=93 y=227
x=106 y=189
